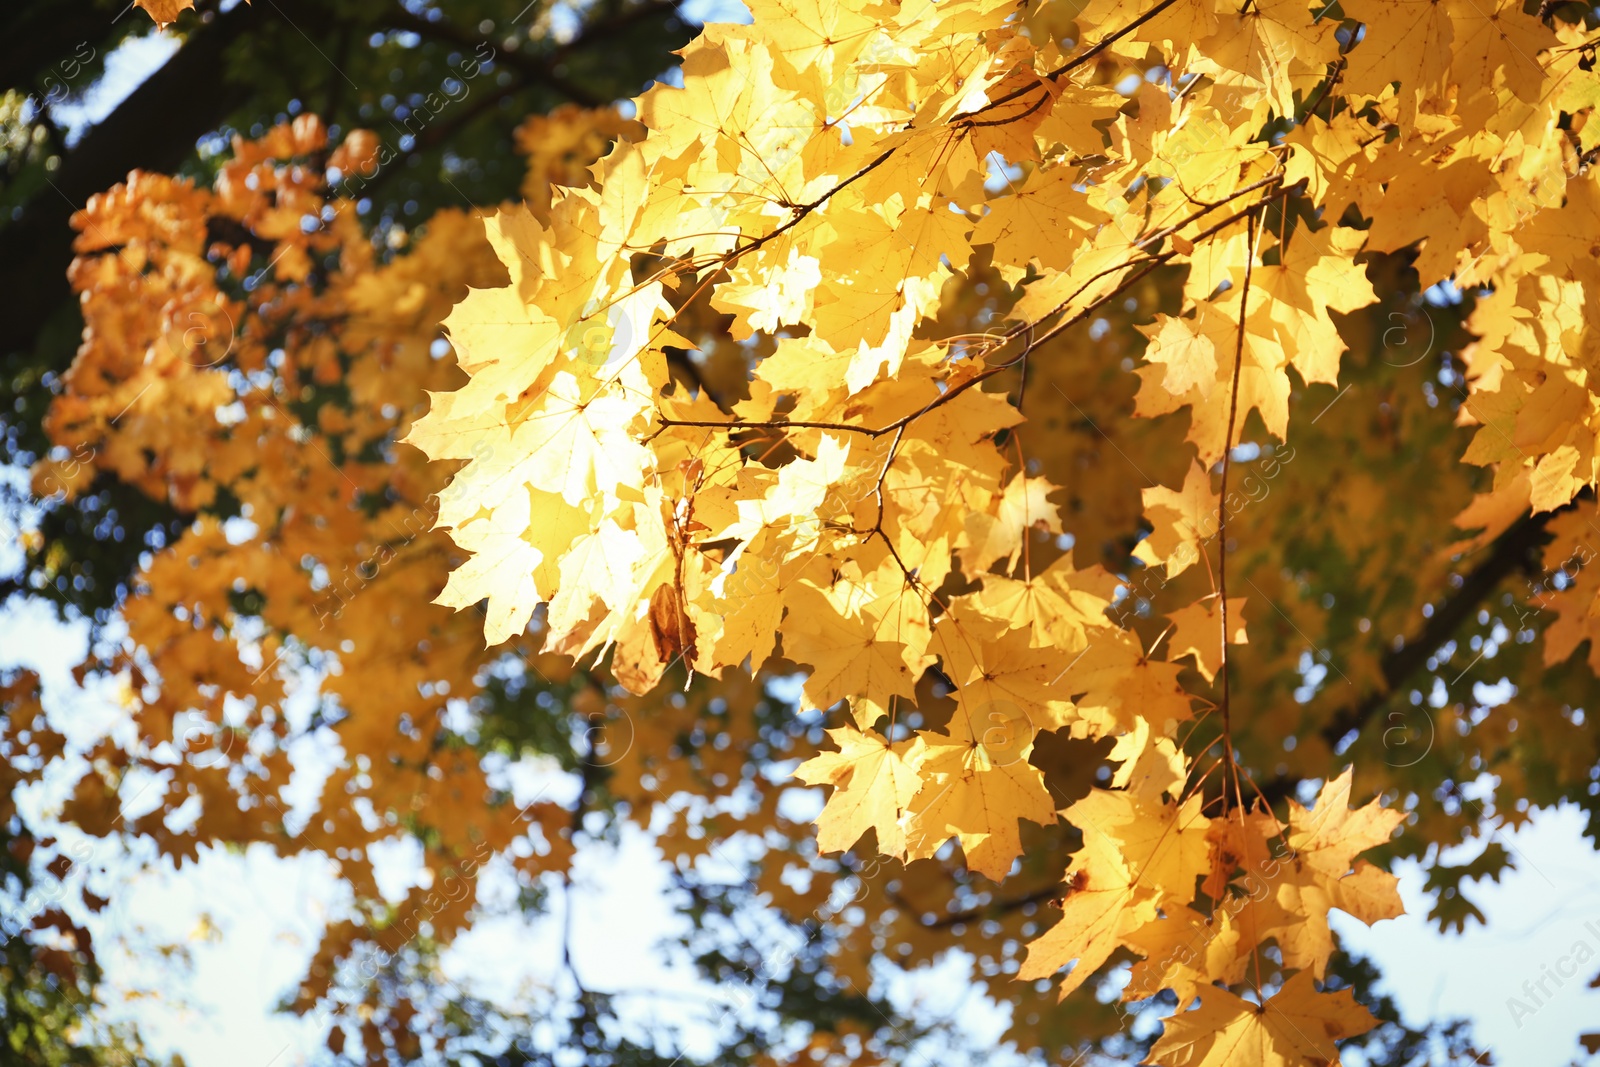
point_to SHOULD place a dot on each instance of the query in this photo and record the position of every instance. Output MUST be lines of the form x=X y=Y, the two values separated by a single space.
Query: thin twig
x=1222 y=518
x=1077 y=61
x=1254 y=233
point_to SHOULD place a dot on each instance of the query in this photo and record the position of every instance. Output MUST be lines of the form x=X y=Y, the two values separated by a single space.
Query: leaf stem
x=1254 y=235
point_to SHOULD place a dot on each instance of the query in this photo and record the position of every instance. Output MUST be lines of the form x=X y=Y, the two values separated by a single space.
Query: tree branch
x=535 y=69
x=988 y=911
x=1517 y=549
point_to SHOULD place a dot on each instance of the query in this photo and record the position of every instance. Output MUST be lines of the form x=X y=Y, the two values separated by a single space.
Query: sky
x=247 y=922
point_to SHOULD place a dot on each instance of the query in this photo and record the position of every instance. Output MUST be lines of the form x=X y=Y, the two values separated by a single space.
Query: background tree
x=221 y=484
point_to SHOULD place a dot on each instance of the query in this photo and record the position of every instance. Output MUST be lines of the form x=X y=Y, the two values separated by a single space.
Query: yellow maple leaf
x=1102 y=905
x=1330 y=833
x=971 y=795
x=1198 y=632
x=1188 y=347
x=164 y=12
x=1003 y=676
x=1289 y=892
x=1183 y=520
x=1310 y=279
x=1185 y=952
x=1432 y=49
x=848 y=655
x=1273 y=48
x=1059 y=605
x=1164 y=846
x=1296 y=1026
x=873 y=786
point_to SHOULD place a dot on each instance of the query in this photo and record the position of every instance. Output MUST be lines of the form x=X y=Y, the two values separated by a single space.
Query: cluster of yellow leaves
x=1508 y=204
x=822 y=175
x=826 y=179
x=250 y=358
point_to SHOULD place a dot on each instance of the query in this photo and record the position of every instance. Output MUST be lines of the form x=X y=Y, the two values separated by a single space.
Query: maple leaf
x=164 y=12
x=1023 y=509
x=1297 y=1025
x=1138 y=852
x=1319 y=873
x=1185 y=952
x=1263 y=384
x=873 y=785
x=1001 y=676
x=1183 y=521
x=1188 y=347
x=1059 y=605
x=1101 y=906
x=1150 y=765
x=1025 y=226
x=1431 y=48
x=1188 y=20
x=969 y=793
x=1308 y=280
x=849 y=656
x=1164 y=846
x=496 y=539
x=1198 y=632
x=1330 y=834
x=1274 y=47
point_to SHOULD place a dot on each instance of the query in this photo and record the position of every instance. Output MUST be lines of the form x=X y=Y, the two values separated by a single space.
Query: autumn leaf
x=1100 y=907
x=1184 y=520
x=164 y=12
x=976 y=796
x=1297 y=1025
x=873 y=785
x=1198 y=632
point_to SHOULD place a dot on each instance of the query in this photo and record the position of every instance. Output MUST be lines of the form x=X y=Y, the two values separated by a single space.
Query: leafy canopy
x=823 y=370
